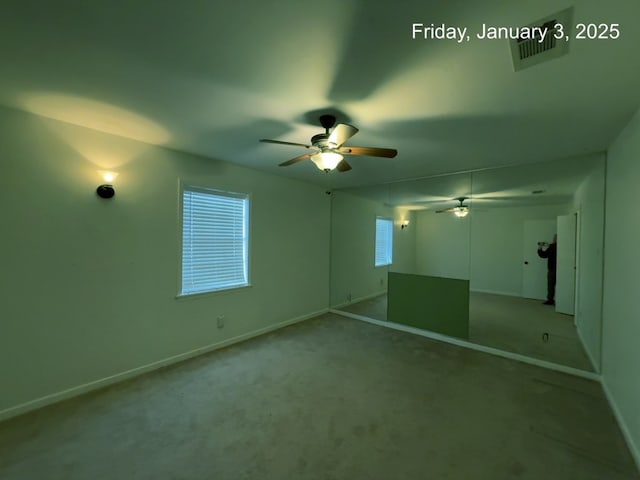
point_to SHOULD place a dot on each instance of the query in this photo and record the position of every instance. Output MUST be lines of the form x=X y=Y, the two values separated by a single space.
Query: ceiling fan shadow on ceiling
x=459 y=211
x=328 y=149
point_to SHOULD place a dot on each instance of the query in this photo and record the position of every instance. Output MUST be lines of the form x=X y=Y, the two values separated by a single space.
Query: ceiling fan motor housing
x=320 y=140
x=327 y=122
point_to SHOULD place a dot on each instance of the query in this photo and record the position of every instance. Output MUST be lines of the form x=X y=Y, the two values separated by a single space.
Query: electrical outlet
x=220 y=321
x=348 y=297
x=381 y=282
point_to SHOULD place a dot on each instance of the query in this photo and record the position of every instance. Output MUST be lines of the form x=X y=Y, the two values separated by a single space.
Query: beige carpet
x=331 y=398
x=511 y=324
x=527 y=327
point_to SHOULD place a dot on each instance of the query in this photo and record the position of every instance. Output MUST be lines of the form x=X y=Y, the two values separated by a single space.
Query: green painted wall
x=621 y=308
x=436 y=304
x=589 y=201
x=88 y=286
x=353 y=274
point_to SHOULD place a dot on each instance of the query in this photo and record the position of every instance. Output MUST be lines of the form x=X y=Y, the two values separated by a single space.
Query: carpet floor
x=329 y=398
x=511 y=324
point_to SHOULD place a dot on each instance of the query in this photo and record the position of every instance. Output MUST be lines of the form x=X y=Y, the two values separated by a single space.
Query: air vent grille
x=528 y=47
x=527 y=52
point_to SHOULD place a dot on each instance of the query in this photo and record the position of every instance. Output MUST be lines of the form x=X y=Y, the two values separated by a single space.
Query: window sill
x=184 y=296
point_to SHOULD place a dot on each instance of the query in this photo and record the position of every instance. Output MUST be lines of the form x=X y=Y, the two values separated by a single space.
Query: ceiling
x=554 y=182
x=212 y=78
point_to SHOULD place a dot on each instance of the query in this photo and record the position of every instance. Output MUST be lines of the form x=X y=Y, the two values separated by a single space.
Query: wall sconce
x=404 y=224
x=106 y=190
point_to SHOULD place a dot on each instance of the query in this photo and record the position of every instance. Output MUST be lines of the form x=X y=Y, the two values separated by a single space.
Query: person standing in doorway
x=549 y=251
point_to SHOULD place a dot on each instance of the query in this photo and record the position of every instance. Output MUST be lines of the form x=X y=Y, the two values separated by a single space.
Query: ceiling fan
x=461 y=210
x=328 y=148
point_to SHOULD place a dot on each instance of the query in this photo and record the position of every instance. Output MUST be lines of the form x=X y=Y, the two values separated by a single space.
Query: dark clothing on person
x=551 y=255
x=551 y=286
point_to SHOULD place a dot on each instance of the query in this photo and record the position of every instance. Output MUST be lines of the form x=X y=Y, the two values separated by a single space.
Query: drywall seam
x=134 y=372
x=481 y=348
x=633 y=448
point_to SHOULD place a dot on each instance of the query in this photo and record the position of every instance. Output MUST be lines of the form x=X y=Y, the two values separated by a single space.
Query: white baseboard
x=359 y=299
x=633 y=448
x=495 y=292
x=473 y=346
x=134 y=372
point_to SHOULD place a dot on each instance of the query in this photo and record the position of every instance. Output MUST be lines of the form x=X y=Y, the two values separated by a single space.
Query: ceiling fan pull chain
x=328 y=175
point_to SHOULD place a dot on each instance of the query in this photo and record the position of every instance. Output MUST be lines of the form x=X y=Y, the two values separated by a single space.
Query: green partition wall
x=436 y=304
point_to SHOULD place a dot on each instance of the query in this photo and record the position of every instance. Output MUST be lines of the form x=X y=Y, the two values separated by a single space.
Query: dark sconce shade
x=105 y=191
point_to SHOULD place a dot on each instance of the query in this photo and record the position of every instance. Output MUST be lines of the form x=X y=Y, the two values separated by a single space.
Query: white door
x=566 y=266
x=534 y=268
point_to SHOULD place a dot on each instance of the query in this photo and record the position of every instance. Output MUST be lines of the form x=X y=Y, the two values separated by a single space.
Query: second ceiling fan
x=461 y=210
x=328 y=149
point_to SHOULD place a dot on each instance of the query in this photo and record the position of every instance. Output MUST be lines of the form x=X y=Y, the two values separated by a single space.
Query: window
x=384 y=241
x=215 y=231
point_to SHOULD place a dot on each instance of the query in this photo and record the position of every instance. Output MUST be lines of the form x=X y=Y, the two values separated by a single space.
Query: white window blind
x=384 y=241
x=215 y=232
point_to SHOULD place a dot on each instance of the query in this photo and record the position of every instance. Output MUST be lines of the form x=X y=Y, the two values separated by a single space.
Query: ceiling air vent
x=527 y=50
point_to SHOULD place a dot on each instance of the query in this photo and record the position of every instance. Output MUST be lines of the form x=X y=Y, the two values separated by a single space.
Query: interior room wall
x=89 y=285
x=353 y=274
x=621 y=308
x=404 y=242
x=497 y=245
x=589 y=202
x=442 y=245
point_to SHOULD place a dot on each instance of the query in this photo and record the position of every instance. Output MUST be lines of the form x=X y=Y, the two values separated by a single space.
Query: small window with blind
x=384 y=241
x=215 y=234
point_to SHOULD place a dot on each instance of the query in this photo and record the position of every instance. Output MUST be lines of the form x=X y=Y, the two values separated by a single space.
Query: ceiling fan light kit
x=328 y=150
x=327 y=161
x=461 y=212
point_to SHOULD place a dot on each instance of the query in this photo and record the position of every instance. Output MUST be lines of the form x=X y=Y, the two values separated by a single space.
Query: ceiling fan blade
x=341 y=133
x=447 y=210
x=279 y=142
x=295 y=160
x=343 y=166
x=370 y=151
